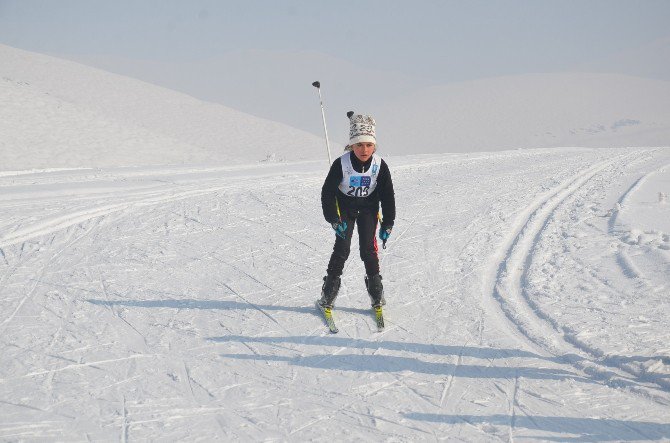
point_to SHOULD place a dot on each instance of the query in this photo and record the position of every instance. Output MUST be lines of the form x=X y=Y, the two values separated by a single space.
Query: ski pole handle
x=317 y=85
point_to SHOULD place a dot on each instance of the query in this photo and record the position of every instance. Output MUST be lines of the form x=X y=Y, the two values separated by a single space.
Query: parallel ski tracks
x=505 y=292
x=131 y=199
x=54 y=224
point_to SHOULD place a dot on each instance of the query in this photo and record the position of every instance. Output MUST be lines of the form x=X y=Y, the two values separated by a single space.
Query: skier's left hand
x=385 y=233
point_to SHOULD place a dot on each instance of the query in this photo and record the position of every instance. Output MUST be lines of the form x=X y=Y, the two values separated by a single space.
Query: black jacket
x=383 y=192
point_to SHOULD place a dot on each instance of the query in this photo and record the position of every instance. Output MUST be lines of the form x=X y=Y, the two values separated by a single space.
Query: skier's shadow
x=418 y=348
x=387 y=363
x=423 y=348
x=480 y=352
x=582 y=429
x=227 y=305
x=399 y=364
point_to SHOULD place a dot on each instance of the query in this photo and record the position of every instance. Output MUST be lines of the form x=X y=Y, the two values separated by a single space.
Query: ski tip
x=379 y=318
x=328 y=317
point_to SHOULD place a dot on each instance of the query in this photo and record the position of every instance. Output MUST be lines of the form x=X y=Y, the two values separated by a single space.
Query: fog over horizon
x=260 y=57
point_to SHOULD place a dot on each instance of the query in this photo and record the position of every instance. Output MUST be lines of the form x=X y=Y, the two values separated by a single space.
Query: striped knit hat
x=361 y=129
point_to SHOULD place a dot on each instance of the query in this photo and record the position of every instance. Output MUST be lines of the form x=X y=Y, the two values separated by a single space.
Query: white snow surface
x=528 y=297
x=57 y=113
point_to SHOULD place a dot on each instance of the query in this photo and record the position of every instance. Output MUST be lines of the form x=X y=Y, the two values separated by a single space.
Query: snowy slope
x=40 y=129
x=272 y=84
x=121 y=121
x=590 y=107
x=527 y=299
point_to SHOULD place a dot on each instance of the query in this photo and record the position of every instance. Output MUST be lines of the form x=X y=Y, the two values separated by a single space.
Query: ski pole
x=317 y=85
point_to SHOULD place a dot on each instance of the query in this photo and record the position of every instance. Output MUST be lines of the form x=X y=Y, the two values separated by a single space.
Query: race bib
x=357 y=184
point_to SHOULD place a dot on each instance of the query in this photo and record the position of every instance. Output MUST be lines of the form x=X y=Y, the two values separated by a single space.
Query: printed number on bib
x=359 y=186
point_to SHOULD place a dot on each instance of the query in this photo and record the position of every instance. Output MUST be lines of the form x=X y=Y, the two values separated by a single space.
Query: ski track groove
x=630 y=191
x=506 y=265
x=139 y=199
x=76 y=366
x=118 y=316
x=426 y=201
x=347 y=406
x=514 y=303
x=241 y=297
x=625 y=263
x=513 y=404
x=41 y=272
x=124 y=423
x=450 y=379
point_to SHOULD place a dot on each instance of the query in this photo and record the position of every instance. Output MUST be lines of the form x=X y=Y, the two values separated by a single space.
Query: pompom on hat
x=361 y=128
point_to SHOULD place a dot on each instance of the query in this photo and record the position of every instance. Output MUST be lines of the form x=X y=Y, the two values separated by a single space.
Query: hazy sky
x=438 y=40
x=260 y=57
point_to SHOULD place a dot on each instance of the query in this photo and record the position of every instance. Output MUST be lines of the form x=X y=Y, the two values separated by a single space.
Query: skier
x=356 y=184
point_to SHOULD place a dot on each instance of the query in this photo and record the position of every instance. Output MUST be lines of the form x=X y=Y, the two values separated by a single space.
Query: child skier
x=356 y=184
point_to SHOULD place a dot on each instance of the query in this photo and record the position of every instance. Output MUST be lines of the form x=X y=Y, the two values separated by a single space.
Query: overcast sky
x=440 y=40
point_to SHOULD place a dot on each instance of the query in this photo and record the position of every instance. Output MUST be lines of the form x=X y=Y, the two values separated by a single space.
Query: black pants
x=366 y=219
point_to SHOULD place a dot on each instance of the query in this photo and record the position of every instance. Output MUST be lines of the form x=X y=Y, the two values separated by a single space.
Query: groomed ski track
x=177 y=303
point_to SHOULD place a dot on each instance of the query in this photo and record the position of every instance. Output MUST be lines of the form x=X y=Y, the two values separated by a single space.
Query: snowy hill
x=527 y=300
x=272 y=84
x=522 y=111
x=56 y=113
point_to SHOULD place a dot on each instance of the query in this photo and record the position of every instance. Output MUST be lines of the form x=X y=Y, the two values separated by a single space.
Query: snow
x=154 y=287
x=586 y=106
x=60 y=114
x=178 y=303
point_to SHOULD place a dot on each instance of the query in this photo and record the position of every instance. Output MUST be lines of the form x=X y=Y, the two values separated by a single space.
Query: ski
x=379 y=318
x=328 y=316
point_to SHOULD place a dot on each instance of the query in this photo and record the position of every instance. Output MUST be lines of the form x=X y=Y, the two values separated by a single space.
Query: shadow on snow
x=422 y=348
x=226 y=305
x=583 y=429
x=389 y=363
x=419 y=348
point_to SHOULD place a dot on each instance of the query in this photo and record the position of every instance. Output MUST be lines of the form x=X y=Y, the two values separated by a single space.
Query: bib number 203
x=358 y=191
x=359 y=186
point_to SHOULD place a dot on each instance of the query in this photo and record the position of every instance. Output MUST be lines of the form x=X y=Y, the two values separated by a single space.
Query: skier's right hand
x=340 y=228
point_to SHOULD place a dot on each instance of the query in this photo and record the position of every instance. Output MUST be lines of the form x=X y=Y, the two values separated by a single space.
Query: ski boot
x=331 y=285
x=375 y=289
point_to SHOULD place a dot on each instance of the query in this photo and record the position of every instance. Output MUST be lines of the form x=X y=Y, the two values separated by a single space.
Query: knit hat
x=361 y=129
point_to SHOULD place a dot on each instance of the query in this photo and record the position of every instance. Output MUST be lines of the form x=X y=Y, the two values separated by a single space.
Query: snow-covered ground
x=56 y=113
x=528 y=297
